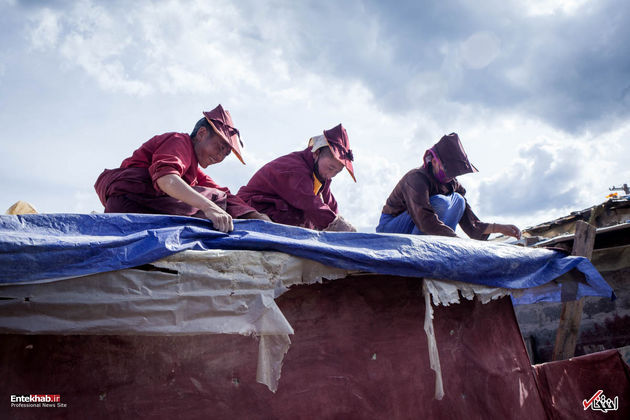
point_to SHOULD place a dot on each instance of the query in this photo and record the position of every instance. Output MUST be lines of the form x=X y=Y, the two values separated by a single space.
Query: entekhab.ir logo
x=600 y=402
x=37 y=401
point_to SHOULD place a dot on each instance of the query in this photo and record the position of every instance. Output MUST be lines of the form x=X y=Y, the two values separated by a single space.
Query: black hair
x=201 y=123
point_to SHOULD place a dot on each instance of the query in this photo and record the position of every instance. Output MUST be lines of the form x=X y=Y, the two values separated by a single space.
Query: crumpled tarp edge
x=40 y=247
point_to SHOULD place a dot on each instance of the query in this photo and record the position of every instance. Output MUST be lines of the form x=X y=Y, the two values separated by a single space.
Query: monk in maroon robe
x=163 y=175
x=295 y=189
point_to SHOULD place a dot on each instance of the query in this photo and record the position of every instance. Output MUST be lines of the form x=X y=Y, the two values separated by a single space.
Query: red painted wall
x=359 y=351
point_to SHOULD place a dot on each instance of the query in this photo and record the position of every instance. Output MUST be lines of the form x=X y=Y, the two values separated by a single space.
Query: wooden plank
x=571 y=315
x=584 y=239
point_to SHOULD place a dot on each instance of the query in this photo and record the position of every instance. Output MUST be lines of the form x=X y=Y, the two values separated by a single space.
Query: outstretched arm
x=507 y=230
x=177 y=188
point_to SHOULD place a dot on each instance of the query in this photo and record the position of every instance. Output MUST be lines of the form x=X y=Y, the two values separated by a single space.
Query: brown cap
x=454 y=159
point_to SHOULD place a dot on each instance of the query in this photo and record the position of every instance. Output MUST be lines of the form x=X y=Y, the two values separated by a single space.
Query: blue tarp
x=45 y=247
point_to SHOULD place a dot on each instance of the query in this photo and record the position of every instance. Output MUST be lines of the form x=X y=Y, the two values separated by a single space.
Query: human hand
x=219 y=218
x=339 y=224
x=507 y=230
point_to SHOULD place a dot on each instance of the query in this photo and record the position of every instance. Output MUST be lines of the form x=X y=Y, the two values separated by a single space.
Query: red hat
x=339 y=144
x=221 y=121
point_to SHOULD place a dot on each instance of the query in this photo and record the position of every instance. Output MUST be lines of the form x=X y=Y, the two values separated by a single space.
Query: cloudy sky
x=539 y=92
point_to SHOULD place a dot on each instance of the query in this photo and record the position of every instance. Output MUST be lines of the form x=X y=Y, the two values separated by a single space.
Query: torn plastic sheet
x=434 y=357
x=193 y=292
x=271 y=351
x=446 y=293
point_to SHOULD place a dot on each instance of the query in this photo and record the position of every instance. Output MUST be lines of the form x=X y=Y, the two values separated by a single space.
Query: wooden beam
x=571 y=314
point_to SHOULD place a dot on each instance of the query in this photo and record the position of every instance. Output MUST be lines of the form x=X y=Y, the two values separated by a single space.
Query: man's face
x=437 y=168
x=328 y=166
x=210 y=148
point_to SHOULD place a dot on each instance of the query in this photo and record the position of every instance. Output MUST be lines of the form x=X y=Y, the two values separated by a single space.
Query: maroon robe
x=283 y=190
x=133 y=188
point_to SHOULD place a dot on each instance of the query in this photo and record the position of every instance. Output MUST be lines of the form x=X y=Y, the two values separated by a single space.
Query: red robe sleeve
x=171 y=157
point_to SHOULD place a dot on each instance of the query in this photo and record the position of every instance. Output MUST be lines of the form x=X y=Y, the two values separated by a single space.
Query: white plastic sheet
x=193 y=292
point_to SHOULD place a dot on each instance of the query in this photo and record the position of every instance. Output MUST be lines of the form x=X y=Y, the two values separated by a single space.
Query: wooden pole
x=571 y=315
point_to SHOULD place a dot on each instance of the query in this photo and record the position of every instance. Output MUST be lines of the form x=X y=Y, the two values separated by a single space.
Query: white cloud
x=90 y=38
x=480 y=49
x=361 y=203
x=164 y=47
x=550 y=7
x=285 y=78
x=553 y=174
x=45 y=32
